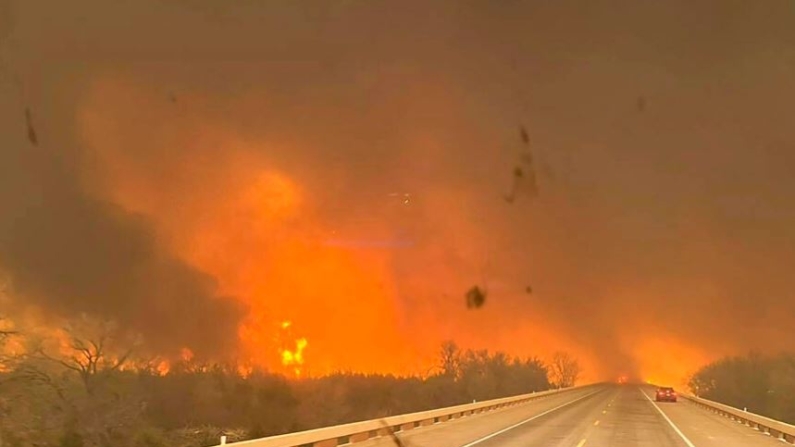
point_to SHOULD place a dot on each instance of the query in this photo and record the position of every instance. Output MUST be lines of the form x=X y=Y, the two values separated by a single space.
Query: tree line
x=90 y=389
x=762 y=384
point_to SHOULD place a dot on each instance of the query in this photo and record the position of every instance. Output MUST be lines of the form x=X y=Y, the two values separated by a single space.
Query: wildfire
x=292 y=358
x=658 y=371
x=245 y=370
x=295 y=358
x=163 y=367
x=186 y=355
x=256 y=220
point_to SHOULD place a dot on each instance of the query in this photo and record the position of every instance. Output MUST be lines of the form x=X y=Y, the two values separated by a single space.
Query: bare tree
x=450 y=359
x=564 y=370
x=94 y=349
x=89 y=367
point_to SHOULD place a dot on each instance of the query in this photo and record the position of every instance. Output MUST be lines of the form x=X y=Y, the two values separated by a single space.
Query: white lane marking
x=478 y=441
x=676 y=429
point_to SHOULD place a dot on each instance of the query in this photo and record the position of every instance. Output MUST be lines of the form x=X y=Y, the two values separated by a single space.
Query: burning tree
x=94 y=349
x=564 y=370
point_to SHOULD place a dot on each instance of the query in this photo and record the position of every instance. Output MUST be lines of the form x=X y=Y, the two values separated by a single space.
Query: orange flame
x=245 y=370
x=163 y=367
x=295 y=358
x=186 y=355
x=292 y=358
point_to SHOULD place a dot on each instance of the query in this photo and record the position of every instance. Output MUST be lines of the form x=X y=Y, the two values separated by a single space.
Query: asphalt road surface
x=599 y=416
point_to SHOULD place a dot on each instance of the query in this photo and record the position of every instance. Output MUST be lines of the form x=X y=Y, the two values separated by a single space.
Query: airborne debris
x=523 y=176
x=528 y=289
x=519 y=179
x=398 y=442
x=34 y=139
x=641 y=104
x=475 y=297
x=404 y=197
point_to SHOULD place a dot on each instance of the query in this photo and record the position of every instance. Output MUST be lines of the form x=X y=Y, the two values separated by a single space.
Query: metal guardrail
x=774 y=428
x=362 y=431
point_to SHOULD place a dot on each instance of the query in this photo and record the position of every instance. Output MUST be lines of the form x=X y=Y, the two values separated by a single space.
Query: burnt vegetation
x=91 y=387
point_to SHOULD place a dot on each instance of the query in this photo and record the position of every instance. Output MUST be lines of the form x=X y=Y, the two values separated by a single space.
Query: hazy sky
x=207 y=170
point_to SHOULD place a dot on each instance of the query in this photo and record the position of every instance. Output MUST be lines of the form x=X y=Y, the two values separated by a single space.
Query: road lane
x=507 y=432
x=608 y=415
x=707 y=429
x=619 y=417
x=631 y=421
x=567 y=427
x=601 y=416
x=463 y=431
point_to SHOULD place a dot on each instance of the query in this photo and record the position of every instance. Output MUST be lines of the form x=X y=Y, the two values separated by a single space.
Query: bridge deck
x=611 y=415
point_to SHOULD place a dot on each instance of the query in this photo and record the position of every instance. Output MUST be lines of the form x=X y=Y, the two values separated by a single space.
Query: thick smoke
x=659 y=218
x=71 y=253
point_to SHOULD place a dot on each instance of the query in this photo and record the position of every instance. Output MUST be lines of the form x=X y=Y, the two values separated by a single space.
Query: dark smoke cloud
x=69 y=252
x=674 y=220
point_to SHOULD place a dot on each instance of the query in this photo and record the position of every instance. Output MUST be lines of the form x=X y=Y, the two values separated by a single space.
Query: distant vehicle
x=666 y=394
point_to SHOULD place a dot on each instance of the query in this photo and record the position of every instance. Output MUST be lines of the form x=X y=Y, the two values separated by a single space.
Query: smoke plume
x=205 y=171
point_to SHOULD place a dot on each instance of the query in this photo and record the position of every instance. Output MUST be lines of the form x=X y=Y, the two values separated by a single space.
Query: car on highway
x=666 y=394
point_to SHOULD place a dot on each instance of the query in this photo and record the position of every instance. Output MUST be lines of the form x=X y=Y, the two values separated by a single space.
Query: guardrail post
x=358 y=437
x=326 y=443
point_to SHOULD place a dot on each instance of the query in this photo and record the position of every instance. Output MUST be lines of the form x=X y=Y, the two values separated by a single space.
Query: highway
x=599 y=416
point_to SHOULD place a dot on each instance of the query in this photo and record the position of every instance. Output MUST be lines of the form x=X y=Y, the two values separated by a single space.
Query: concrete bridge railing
x=361 y=431
x=774 y=428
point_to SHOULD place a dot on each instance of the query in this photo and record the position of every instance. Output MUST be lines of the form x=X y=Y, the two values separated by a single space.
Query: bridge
x=598 y=415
